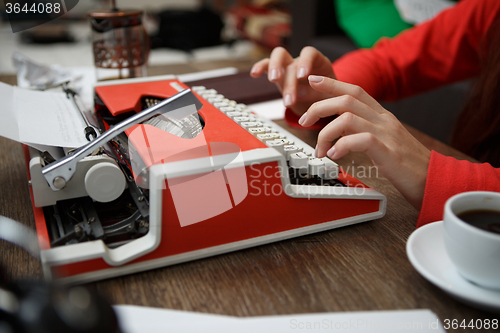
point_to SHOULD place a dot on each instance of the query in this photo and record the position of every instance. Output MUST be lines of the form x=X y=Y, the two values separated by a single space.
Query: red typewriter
x=177 y=174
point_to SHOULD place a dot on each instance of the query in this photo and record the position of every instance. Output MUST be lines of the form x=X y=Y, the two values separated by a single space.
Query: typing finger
x=345 y=125
x=338 y=88
x=311 y=61
x=289 y=88
x=280 y=59
x=337 y=105
x=361 y=142
x=259 y=68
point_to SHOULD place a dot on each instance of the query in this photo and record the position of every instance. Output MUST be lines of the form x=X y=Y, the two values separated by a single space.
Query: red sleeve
x=434 y=53
x=448 y=176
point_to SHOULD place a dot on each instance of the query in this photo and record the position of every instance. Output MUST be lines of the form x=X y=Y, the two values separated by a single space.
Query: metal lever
x=58 y=173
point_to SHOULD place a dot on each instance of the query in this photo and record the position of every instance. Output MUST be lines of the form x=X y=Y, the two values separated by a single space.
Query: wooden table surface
x=355 y=268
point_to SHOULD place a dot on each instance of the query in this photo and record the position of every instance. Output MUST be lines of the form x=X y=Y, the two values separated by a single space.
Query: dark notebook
x=241 y=87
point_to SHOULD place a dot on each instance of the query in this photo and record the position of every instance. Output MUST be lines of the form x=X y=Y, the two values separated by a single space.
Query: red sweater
x=435 y=53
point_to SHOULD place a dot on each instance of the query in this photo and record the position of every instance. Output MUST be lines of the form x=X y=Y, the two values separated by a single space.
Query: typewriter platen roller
x=170 y=189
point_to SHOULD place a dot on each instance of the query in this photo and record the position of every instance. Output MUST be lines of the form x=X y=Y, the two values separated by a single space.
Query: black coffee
x=488 y=220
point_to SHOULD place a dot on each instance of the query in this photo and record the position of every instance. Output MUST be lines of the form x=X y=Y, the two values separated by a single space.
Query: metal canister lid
x=107 y=19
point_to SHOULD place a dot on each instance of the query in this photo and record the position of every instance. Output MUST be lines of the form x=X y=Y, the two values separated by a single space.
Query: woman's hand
x=364 y=125
x=290 y=75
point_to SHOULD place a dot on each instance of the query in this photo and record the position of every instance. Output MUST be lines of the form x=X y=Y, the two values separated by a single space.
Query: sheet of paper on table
x=270 y=109
x=135 y=319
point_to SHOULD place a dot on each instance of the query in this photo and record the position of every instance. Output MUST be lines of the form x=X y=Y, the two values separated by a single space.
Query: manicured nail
x=303 y=118
x=302 y=73
x=315 y=78
x=331 y=152
x=274 y=74
x=288 y=100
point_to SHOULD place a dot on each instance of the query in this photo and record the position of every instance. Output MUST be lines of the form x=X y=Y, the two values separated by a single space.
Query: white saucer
x=426 y=251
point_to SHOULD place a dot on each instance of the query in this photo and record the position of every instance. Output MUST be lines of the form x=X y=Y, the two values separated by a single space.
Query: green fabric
x=366 y=21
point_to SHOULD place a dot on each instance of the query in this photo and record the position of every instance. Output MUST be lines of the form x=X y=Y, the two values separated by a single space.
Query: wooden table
x=355 y=268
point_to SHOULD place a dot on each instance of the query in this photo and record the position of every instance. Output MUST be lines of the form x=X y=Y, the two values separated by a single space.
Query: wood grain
x=356 y=268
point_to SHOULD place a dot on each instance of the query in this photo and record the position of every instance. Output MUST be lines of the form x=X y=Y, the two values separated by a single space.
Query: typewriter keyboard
x=304 y=168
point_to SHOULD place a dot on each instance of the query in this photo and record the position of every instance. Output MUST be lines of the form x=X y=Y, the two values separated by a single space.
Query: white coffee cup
x=474 y=252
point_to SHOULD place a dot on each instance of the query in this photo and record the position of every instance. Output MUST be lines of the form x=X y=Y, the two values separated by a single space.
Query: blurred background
x=191 y=31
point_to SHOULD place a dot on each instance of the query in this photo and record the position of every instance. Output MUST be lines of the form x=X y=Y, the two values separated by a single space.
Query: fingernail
x=315 y=78
x=274 y=74
x=302 y=73
x=303 y=118
x=316 y=151
x=253 y=70
x=288 y=100
x=331 y=152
